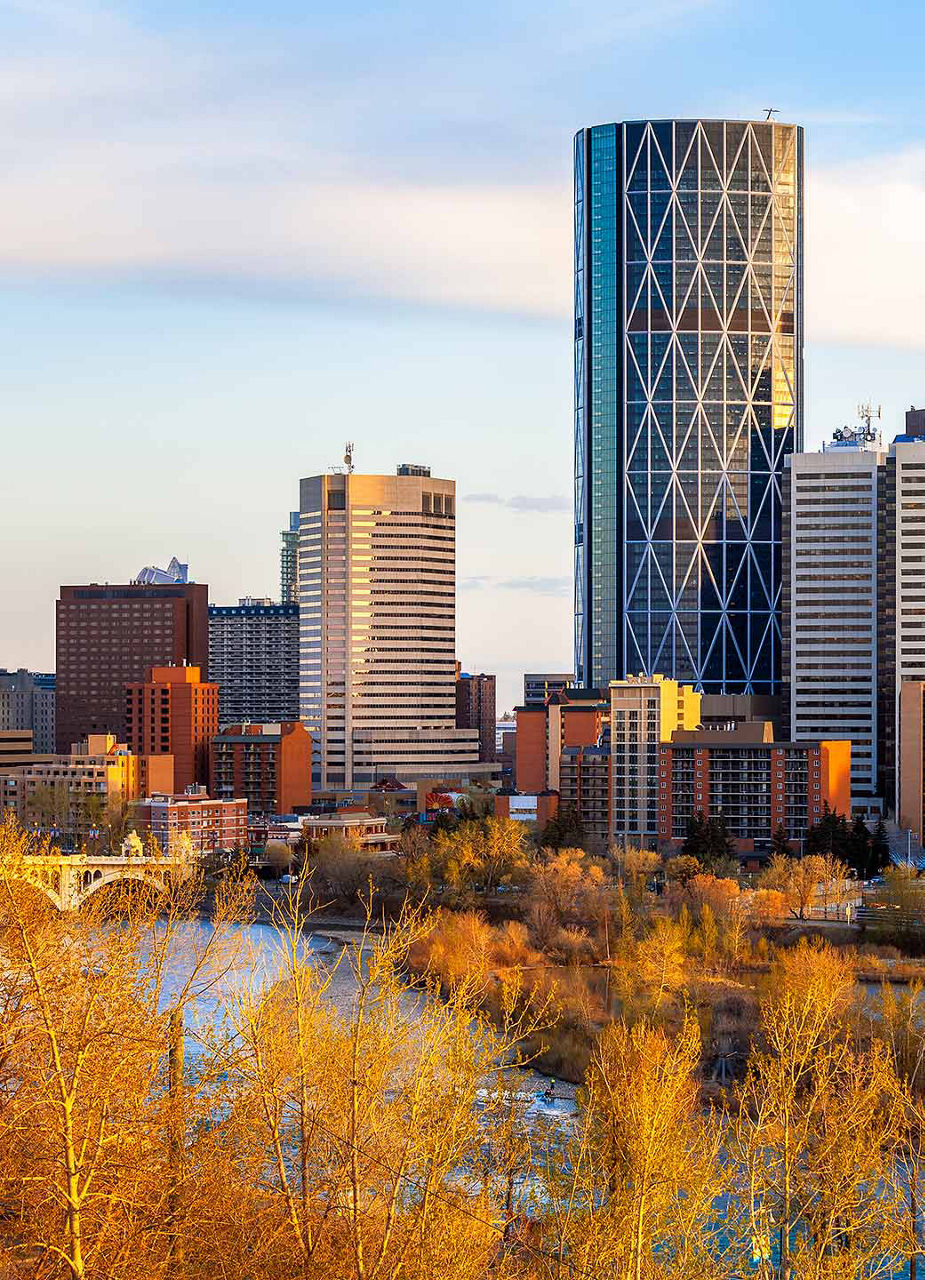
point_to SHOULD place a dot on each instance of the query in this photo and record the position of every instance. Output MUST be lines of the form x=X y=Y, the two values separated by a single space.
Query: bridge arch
x=119 y=875
x=47 y=891
x=68 y=881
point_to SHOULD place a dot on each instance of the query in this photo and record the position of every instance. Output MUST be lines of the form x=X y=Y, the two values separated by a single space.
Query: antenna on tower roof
x=348 y=457
x=867 y=413
x=771 y=111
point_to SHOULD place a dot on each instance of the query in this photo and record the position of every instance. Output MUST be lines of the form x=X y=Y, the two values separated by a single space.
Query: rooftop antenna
x=348 y=457
x=771 y=111
x=867 y=413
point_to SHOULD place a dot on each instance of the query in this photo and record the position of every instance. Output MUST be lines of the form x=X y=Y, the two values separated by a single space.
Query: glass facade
x=688 y=396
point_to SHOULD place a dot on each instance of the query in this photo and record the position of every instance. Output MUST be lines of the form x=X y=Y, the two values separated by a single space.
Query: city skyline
x=201 y=297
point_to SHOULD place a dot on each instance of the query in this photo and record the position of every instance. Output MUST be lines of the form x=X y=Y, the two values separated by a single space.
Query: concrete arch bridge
x=68 y=880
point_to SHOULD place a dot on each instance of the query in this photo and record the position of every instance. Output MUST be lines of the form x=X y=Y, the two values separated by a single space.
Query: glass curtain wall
x=688 y=396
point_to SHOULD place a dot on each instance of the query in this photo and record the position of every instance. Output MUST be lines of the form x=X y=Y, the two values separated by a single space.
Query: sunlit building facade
x=830 y=602
x=377 y=615
x=688 y=396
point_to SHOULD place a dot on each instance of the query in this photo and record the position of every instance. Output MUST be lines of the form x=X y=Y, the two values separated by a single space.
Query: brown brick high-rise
x=110 y=636
x=475 y=709
x=175 y=713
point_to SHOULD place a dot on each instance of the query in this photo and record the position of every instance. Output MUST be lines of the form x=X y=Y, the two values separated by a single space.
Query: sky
x=234 y=236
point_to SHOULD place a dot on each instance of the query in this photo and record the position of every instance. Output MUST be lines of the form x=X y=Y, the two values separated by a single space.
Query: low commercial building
x=211 y=825
x=538 y=809
x=754 y=783
x=367 y=830
x=270 y=765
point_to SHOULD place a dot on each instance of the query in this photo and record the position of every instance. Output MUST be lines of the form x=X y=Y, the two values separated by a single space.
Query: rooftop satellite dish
x=348 y=457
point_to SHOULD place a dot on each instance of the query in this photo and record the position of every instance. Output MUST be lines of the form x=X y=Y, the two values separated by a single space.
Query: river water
x=255 y=955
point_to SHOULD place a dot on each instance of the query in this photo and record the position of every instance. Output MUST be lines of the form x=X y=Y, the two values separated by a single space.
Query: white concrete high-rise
x=901 y=612
x=377 y=597
x=254 y=660
x=830 y=601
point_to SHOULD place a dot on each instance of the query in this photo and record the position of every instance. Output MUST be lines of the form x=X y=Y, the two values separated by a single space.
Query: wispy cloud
x=865 y=251
x=224 y=158
x=548 y=586
x=523 y=501
x=542 y=586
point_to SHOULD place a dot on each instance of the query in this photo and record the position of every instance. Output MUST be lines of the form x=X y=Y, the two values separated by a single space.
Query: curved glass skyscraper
x=688 y=396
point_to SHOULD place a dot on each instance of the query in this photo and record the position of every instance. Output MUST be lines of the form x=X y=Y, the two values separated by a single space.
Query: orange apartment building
x=270 y=765
x=174 y=712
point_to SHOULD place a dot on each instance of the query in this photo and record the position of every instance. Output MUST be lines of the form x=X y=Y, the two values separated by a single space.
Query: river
x=256 y=954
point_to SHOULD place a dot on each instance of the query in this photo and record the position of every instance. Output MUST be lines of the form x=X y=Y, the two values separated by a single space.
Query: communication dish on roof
x=348 y=457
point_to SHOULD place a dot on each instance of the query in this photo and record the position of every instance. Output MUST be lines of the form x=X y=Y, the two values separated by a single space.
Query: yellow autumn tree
x=634 y=1193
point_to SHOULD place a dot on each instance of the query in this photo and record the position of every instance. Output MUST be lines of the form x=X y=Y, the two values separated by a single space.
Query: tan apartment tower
x=644 y=712
x=377 y=616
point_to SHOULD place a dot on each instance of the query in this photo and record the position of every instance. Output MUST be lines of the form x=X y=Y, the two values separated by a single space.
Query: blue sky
x=233 y=236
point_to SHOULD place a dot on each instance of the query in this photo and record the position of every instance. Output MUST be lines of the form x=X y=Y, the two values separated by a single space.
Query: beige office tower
x=377 y=616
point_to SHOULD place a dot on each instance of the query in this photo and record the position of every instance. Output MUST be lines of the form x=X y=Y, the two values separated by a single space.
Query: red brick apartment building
x=569 y=718
x=174 y=712
x=210 y=824
x=754 y=783
x=269 y=764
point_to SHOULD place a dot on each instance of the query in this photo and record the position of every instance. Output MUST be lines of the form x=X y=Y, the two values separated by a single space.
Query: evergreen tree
x=857 y=851
x=695 y=842
x=444 y=820
x=564 y=831
x=780 y=845
x=830 y=836
x=719 y=846
x=879 y=850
